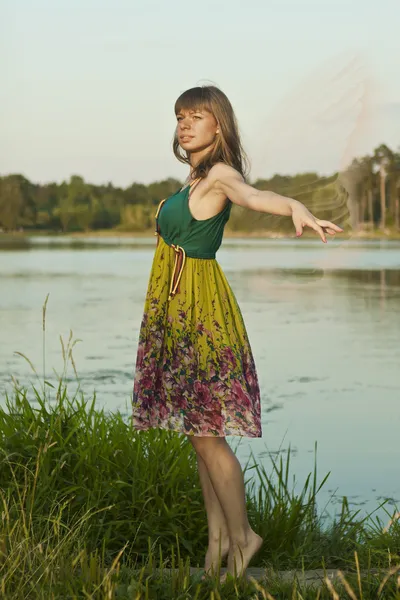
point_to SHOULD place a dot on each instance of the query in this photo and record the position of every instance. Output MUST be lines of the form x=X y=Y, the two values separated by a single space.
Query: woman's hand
x=301 y=217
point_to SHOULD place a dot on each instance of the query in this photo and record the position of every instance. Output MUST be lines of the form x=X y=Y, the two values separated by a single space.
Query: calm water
x=323 y=322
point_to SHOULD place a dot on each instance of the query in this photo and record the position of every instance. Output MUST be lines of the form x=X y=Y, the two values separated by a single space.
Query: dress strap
x=159 y=208
x=193 y=185
x=157 y=231
x=195 y=181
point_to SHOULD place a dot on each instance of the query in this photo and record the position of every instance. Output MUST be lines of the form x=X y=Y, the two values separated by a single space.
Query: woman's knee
x=206 y=445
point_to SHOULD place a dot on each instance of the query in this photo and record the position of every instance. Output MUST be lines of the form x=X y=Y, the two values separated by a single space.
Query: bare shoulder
x=221 y=171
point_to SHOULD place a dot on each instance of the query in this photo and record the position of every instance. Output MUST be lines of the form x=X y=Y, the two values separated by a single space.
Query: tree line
x=365 y=195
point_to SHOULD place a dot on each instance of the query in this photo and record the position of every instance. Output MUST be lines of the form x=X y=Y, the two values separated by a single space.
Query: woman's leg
x=227 y=480
x=217 y=526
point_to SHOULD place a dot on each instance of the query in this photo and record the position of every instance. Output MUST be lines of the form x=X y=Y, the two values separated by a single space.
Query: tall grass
x=92 y=508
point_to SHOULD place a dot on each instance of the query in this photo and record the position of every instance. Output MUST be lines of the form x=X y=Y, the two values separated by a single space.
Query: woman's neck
x=188 y=179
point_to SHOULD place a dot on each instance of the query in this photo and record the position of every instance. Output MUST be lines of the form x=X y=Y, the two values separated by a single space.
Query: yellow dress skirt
x=195 y=372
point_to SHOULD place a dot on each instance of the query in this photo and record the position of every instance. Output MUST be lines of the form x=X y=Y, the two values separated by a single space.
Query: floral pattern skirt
x=195 y=372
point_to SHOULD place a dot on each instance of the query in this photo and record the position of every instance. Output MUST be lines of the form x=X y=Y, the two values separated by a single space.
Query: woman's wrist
x=294 y=204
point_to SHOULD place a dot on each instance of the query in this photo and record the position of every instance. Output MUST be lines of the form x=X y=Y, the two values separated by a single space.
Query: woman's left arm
x=226 y=179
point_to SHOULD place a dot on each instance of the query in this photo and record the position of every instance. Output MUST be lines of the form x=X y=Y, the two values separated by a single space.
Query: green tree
x=394 y=189
x=383 y=157
x=74 y=209
x=17 y=206
x=368 y=187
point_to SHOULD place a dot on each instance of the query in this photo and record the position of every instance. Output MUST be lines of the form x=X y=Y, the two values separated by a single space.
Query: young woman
x=195 y=372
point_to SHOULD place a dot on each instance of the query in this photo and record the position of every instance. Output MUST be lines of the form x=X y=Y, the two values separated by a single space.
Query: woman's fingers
x=312 y=223
x=319 y=225
x=329 y=224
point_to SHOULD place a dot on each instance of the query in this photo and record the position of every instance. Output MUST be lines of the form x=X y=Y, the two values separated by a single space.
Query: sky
x=89 y=86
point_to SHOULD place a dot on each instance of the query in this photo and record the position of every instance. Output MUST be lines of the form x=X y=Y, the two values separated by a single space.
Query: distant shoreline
x=387 y=234
x=252 y=234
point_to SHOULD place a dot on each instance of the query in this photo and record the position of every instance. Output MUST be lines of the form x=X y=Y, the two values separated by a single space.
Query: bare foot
x=240 y=555
x=212 y=554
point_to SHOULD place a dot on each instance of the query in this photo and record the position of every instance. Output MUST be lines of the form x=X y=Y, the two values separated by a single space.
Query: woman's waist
x=192 y=250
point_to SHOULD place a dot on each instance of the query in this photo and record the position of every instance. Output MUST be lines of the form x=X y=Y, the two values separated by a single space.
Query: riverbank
x=94 y=508
x=90 y=504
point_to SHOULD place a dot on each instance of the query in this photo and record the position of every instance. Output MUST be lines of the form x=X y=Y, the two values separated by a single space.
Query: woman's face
x=196 y=129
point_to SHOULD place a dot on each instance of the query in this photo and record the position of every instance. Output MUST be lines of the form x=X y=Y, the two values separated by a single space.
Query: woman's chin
x=193 y=147
x=186 y=145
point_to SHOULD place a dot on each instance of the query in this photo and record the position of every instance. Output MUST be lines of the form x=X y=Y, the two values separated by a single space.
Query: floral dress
x=195 y=372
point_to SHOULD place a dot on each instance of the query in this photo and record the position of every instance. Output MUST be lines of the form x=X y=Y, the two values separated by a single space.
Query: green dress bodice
x=199 y=238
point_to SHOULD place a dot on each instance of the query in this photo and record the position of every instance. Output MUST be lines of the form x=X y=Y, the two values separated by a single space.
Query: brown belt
x=180 y=258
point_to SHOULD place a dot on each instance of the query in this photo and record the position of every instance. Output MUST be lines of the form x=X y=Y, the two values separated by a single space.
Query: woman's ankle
x=215 y=540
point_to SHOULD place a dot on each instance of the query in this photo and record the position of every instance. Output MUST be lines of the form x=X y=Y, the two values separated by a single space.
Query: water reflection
x=323 y=324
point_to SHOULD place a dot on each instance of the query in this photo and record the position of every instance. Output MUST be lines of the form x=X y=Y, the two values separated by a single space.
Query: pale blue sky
x=89 y=86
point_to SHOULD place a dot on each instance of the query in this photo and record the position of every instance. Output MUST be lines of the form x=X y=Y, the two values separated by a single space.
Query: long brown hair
x=228 y=147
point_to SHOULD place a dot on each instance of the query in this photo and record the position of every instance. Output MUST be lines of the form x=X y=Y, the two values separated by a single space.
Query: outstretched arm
x=226 y=179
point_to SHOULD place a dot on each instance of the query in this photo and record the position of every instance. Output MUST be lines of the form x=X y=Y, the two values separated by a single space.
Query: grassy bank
x=91 y=508
x=89 y=503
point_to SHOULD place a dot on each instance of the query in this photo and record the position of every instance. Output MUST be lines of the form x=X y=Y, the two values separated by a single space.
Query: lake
x=323 y=322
